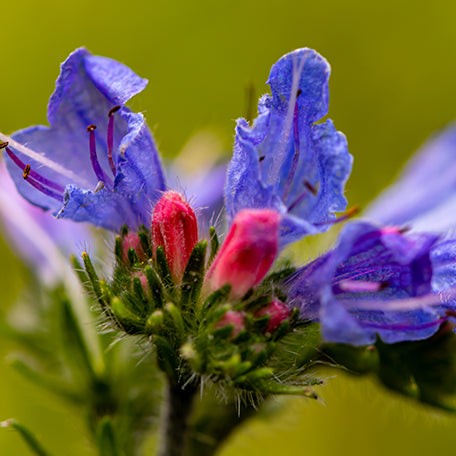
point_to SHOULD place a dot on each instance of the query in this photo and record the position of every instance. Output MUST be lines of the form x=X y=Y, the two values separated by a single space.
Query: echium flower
x=285 y=181
x=97 y=162
x=286 y=161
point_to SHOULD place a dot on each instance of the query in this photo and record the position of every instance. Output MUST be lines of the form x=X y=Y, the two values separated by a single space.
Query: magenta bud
x=278 y=313
x=234 y=318
x=248 y=251
x=174 y=227
x=131 y=241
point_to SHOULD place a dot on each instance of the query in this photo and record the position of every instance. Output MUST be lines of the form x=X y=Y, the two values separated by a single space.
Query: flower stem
x=175 y=418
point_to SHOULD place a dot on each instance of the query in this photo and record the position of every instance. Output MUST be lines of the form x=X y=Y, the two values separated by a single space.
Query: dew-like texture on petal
x=332 y=289
x=87 y=88
x=424 y=195
x=284 y=155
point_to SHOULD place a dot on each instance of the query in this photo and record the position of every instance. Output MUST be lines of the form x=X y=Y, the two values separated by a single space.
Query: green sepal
x=155 y=286
x=216 y=313
x=166 y=357
x=118 y=248
x=257 y=303
x=93 y=277
x=141 y=296
x=144 y=239
x=253 y=376
x=130 y=322
x=174 y=323
x=133 y=257
x=163 y=270
x=155 y=323
x=216 y=298
x=281 y=331
x=260 y=323
x=272 y=387
x=193 y=277
x=242 y=337
x=222 y=333
x=214 y=244
x=124 y=230
x=27 y=435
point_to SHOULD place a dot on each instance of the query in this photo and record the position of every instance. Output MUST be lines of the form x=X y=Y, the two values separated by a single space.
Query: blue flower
x=376 y=281
x=286 y=161
x=110 y=176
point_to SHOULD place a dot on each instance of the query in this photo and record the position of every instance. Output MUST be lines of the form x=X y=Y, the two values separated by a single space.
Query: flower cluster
x=285 y=181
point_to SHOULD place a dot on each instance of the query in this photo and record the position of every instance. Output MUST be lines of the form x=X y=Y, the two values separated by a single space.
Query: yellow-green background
x=393 y=83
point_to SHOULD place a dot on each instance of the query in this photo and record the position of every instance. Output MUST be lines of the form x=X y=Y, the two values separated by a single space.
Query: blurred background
x=392 y=85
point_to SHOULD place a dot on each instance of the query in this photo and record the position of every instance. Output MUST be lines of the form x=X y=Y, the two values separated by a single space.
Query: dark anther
x=91 y=128
x=113 y=110
x=298 y=93
x=3 y=144
x=26 y=172
x=262 y=158
x=311 y=188
x=404 y=229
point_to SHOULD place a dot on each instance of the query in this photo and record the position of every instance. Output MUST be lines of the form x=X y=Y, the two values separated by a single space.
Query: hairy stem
x=175 y=417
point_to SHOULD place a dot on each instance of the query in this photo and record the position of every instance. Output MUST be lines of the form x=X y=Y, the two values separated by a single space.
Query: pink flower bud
x=131 y=241
x=234 y=318
x=278 y=312
x=175 y=228
x=144 y=282
x=248 y=251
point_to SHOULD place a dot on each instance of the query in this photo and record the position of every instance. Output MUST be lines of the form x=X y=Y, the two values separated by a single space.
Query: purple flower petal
x=285 y=161
x=86 y=90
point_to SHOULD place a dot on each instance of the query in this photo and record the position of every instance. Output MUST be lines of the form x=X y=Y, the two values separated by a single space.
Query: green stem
x=175 y=419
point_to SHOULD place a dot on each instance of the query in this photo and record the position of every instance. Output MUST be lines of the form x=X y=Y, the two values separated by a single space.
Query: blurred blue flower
x=39 y=240
x=108 y=177
x=286 y=161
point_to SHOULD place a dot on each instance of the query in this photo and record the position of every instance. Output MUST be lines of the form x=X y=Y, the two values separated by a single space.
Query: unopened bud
x=174 y=227
x=131 y=241
x=248 y=251
x=278 y=313
x=231 y=317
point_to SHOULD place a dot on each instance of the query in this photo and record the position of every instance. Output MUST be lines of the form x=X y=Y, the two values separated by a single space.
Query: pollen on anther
x=27 y=171
x=91 y=128
x=113 y=110
x=3 y=144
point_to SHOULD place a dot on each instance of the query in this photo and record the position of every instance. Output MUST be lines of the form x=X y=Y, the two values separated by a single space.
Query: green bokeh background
x=392 y=85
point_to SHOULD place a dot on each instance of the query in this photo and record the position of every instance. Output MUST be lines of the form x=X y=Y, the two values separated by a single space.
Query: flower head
x=97 y=161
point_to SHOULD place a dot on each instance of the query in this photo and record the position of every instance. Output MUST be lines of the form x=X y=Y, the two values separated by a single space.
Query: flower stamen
x=309 y=188
x=36 y=180
x=110 y=140
x=101 y=175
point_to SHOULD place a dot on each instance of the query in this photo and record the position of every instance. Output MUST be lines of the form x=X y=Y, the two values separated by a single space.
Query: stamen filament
x=101 y=175
x=309 y=188
x=41 y=188
x=33 y=174
x=111 y=138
